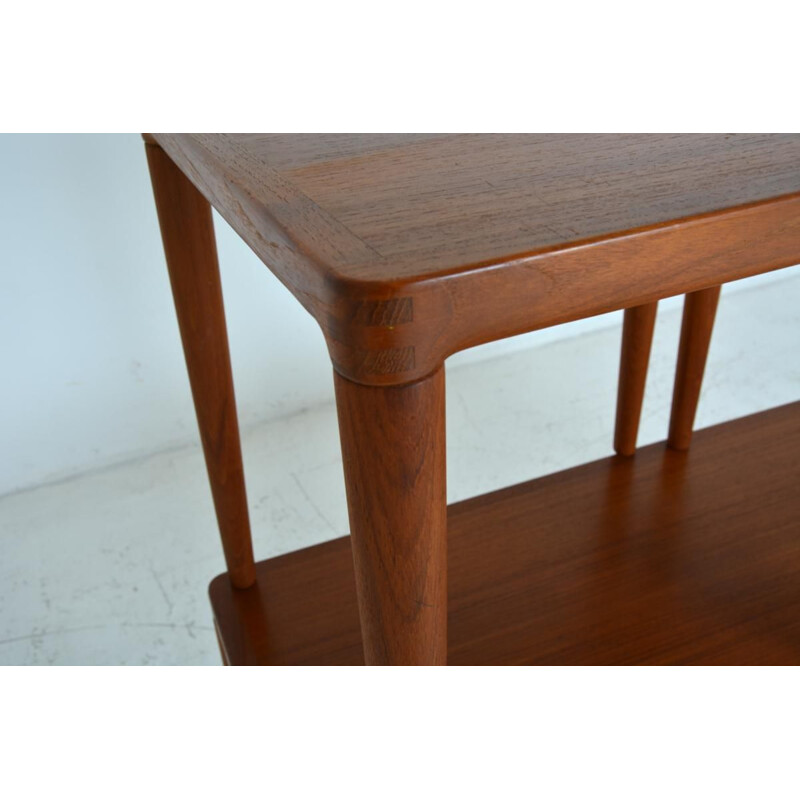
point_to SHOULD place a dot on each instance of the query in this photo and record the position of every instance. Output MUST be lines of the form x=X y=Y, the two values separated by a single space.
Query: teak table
x=408 y=248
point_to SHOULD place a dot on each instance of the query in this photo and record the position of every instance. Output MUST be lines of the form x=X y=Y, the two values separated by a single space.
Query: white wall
x=91 y=371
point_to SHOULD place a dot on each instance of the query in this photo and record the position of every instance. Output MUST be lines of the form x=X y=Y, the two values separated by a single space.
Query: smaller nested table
x=408 y=248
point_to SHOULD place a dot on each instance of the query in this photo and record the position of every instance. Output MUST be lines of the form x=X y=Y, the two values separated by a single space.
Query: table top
x=422 y=204
x=358 y=219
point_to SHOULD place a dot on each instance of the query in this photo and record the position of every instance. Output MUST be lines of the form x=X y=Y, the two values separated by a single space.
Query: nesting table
x=408 y=248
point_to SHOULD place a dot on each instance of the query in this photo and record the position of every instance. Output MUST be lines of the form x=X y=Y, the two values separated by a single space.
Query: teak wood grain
x=699 y=311
x=393 y=448
x=187 y=232
x=637 y=338
x=666 y=557
x=407 y=249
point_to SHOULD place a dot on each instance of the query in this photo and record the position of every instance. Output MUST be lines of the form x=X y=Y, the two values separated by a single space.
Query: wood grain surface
x=697 y=325
x=393 y=448
x=187 y=232
x=484 y=236
x=637 y=338
x=667 y=557
x=408 y=248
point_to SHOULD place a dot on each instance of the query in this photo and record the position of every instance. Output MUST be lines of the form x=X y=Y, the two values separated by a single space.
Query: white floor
x=112 y=567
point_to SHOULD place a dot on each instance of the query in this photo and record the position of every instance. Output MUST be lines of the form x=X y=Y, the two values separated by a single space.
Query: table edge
x=383 y=331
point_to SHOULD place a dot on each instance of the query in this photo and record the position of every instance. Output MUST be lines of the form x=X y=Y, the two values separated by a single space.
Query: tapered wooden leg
x=699 y=309
x=188 y=235
x=393 y=444
x=637 y=337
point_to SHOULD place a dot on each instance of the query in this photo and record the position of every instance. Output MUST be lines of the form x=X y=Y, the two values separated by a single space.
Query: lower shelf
x=659 y=558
